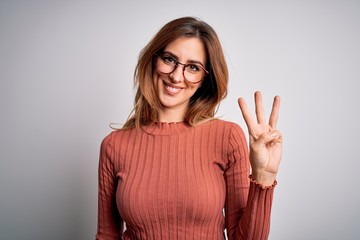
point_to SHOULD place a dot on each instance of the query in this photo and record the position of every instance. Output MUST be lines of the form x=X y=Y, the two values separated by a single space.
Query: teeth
x=173 y=90
x=170 y=89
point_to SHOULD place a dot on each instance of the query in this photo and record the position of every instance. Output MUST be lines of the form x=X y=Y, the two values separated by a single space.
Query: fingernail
x=273 y=135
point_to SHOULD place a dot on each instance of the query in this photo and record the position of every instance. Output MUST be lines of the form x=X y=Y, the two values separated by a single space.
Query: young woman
x=176 y=172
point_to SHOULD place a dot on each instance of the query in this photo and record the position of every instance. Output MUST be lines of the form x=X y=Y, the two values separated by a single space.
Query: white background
x=66 y=71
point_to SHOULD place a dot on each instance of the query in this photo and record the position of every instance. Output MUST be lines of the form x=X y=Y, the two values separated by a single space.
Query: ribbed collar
x=166 y=128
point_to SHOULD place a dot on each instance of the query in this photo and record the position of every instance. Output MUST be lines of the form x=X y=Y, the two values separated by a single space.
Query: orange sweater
x=173 y=181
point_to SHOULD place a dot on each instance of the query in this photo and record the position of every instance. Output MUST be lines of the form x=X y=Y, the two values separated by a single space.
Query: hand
x=265 y=140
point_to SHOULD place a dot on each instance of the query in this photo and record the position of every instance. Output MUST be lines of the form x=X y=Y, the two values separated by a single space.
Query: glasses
x=192 y=72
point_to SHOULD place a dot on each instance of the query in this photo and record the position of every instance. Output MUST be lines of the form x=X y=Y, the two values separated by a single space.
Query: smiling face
x=173 y=91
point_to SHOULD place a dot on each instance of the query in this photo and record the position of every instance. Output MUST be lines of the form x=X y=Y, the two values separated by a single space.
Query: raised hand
x=265 y=140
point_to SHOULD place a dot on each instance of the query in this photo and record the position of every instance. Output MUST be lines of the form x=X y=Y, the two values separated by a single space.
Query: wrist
x=263 y=178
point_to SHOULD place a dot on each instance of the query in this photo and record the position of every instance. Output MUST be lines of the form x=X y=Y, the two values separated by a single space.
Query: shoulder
x=221 y=124
x=117 y=136
x=226 y=131
x=231 y=130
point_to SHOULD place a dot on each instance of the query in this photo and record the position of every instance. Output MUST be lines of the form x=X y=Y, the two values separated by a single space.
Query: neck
x=171 y=115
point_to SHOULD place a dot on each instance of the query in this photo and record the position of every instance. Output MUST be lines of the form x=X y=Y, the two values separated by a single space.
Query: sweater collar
x=166 y=128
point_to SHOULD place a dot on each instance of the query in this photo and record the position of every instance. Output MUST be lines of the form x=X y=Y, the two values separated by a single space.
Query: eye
x=193 y=68
x=168 y=59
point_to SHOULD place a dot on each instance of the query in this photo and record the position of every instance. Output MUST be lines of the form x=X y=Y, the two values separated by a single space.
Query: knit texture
x=174 y=181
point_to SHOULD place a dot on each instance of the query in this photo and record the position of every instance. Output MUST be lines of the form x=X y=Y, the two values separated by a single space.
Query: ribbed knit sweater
x=174 y=181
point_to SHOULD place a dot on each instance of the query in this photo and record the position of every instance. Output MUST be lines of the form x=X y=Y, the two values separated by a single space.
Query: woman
x=173 y=168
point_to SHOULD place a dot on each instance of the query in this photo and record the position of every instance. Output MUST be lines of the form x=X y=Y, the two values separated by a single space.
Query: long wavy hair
x=204 y=103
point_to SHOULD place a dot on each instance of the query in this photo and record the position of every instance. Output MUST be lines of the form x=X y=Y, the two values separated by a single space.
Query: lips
x=171 y=89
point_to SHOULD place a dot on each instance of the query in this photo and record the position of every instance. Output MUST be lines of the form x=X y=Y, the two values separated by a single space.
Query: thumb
x=269 y=137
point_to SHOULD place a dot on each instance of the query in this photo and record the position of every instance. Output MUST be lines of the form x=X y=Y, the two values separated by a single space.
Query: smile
x=171 y=89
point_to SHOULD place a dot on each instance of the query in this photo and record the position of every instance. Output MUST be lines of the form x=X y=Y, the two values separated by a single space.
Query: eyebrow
x=189 y=61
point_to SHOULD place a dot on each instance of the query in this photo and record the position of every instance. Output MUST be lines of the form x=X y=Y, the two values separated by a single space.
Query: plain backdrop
x=66 y=71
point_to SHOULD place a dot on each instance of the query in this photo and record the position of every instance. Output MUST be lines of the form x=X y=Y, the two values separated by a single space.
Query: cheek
x=192 y=92
x=194 y=88
x=156 y=80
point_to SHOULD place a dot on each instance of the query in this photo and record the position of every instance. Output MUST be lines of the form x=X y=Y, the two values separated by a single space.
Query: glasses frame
x=159 y=55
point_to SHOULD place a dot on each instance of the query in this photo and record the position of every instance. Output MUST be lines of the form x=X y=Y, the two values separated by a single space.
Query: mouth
x=171 y=89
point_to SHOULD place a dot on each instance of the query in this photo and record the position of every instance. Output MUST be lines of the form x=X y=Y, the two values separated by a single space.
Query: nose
x=177 y=75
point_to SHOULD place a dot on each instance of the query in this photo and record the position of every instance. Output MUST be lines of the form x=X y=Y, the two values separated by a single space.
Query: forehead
x=187 y=49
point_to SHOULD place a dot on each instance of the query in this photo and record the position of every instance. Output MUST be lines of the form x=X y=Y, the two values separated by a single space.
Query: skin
x=174 y=93
x=265 y=140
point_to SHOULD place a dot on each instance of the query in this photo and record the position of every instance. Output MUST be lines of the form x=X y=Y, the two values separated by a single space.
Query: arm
x=110 y=224
x=253 y=221
x=248 y=204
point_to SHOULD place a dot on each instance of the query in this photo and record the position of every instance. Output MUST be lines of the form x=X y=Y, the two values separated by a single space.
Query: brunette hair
x=203 y=104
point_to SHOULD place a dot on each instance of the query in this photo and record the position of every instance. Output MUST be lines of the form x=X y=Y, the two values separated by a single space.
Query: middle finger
x=259 y=108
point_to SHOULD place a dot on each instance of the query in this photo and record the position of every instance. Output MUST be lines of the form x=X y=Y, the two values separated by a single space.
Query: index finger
x=259 y=109
x=246 y=113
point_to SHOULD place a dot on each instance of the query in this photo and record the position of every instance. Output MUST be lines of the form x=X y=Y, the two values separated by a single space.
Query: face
x=173 y=91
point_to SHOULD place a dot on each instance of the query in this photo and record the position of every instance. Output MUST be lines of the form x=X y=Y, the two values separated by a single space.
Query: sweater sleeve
x=248 y=204
x=110 y=224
